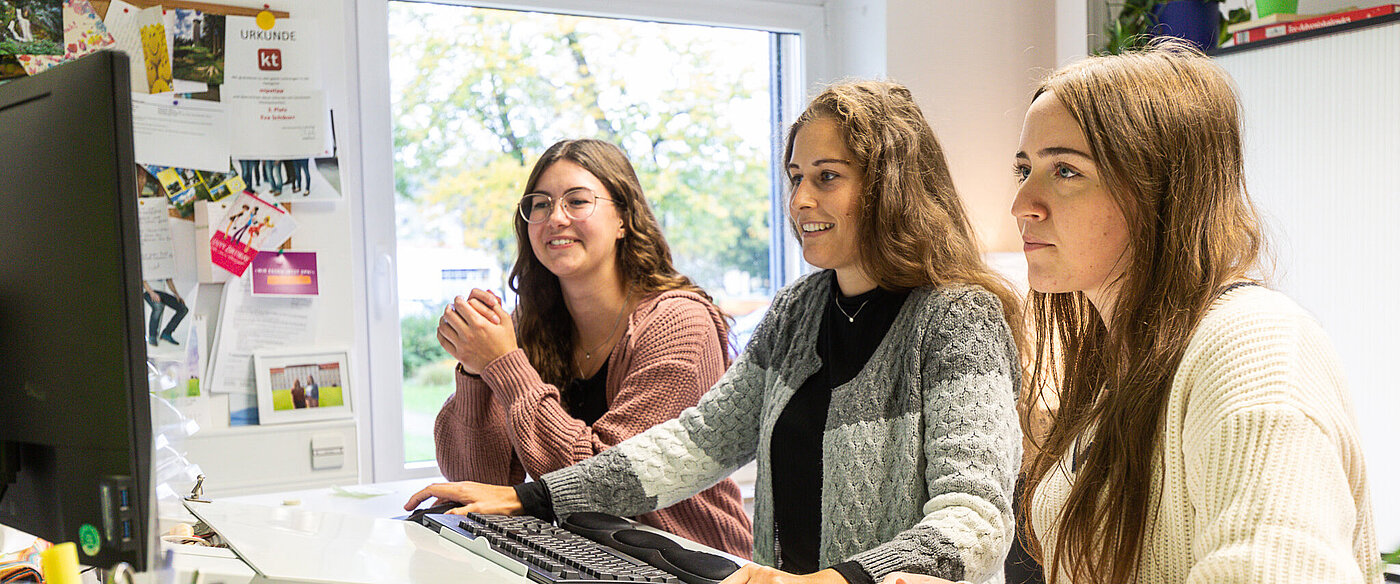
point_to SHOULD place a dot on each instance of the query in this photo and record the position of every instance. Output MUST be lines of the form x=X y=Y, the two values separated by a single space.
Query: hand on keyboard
x=472 y=497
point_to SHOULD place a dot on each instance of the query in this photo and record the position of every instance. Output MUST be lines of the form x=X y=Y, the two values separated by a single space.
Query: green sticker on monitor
x=89 y=539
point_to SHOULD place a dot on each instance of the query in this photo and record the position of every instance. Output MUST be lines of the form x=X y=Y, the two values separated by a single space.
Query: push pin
x=197 y=493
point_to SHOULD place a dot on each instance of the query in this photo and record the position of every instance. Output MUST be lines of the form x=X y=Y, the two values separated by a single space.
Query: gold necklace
x=588 y=355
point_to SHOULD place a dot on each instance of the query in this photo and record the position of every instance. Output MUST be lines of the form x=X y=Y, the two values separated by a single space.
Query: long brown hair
x=917 y=231
x=1164 y=130
x=543 y=323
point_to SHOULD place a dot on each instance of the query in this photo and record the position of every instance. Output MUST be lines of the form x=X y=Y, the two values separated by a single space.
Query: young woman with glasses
x=877 y=395
x=607 y=340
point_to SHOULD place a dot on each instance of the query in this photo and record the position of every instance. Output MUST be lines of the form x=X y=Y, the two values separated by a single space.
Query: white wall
x=856 y=45
x=1322 y=140
x=973 y=66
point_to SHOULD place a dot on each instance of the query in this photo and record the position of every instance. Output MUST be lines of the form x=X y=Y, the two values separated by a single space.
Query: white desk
x=381 y=549
x=329 y=535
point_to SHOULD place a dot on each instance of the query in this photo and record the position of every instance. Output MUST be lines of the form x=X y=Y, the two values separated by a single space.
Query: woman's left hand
x=756 y=574
x=476 y=330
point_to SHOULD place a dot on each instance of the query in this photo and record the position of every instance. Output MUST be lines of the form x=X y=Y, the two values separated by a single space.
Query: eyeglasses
x=578 y=205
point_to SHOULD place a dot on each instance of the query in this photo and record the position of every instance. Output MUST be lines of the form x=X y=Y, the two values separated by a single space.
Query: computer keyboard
x=550 y=554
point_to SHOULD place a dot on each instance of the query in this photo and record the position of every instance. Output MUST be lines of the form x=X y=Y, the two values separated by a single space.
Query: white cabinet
x=247 y=460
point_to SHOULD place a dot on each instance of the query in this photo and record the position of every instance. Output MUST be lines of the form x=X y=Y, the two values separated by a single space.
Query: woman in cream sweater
x=1204 y=432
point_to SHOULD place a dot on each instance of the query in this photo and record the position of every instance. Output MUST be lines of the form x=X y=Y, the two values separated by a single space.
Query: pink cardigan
x=508 y=422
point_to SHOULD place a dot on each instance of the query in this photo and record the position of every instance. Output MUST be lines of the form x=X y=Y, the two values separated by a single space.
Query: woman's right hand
x=476 y=330
x=474 y=497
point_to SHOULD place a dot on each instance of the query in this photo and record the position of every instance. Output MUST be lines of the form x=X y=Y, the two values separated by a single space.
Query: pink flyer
x=289 y=273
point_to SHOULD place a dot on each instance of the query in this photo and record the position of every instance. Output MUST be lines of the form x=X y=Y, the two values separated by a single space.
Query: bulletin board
x=233 y=136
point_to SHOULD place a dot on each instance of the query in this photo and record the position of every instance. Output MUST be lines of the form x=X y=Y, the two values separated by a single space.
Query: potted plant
x=1199 y=21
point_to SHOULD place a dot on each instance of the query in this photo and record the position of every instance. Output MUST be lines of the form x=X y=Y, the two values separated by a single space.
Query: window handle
x=382 y=278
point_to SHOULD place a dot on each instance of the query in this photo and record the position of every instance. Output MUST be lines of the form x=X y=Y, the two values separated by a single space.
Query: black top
x=850 y=332
x=587 y=399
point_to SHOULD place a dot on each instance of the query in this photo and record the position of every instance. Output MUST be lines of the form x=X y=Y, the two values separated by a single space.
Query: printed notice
x=183 y=133
x=273 y=88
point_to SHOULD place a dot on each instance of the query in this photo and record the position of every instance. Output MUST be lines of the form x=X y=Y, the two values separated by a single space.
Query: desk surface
x=350 y=528
x=382 y=500
x=287 y=544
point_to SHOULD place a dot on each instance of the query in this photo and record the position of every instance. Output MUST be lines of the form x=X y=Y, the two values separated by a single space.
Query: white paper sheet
x=183 y=133
x=248 y=323
x=273 y=87
x=122 y=22
x=157 y=243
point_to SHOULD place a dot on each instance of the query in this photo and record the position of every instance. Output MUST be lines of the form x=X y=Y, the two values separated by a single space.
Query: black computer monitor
x=75 y=418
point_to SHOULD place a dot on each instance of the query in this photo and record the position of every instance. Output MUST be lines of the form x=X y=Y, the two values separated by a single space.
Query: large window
x=478 y=93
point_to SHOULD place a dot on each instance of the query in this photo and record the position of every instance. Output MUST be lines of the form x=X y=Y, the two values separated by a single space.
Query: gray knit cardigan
x=920 y=449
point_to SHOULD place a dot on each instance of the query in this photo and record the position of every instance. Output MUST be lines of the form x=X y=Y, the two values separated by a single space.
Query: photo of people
x=199 y=46
x=294 y=180
x=158 y=300
x=31 y=27
x=307 y=385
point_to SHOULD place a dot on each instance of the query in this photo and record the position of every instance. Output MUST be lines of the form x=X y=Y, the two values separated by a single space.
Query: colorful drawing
x=83 y=34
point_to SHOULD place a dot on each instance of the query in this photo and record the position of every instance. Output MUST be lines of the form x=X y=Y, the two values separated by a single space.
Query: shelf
x=1307 y=34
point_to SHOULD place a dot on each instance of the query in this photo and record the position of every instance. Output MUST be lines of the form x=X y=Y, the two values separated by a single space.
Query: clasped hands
x=476 y=330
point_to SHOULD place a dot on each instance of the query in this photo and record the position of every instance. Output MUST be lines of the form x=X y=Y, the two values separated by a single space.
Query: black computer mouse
x=442 y=507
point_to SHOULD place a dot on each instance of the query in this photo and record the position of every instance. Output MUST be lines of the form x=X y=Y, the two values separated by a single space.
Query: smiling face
x=576 y=248
x=826 y=188
x=1075 y=236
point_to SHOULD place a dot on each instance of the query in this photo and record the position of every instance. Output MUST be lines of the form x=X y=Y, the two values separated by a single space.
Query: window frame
x=805 y=27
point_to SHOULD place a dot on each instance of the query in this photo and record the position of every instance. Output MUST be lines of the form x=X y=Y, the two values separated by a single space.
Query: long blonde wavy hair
x=916 y=230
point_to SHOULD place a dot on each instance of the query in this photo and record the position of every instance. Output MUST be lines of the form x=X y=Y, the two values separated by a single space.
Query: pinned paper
x=83 y=34
x=291 y=273
x=183 y=133
x=155 y=50
x=251 y=224
x=157 y=243
x=123 y=24
x=34 y=28
x=273 y=87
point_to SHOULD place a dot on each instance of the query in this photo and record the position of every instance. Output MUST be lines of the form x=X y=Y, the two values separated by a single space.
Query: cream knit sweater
x=1259 y=475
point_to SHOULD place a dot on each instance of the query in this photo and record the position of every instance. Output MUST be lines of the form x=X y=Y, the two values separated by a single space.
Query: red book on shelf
x=1287 y=28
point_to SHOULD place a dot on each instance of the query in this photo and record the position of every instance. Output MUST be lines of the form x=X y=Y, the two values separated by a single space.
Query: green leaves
x=478 y=94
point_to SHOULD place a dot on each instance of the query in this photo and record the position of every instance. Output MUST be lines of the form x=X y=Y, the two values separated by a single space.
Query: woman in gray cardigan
x=878 y=395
